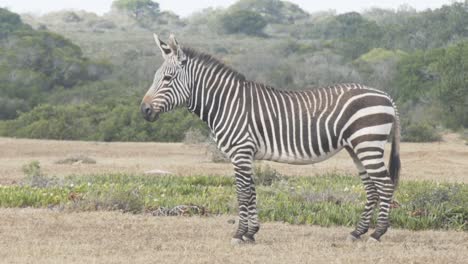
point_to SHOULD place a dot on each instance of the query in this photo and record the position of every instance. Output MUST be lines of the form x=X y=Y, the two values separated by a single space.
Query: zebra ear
x=165 y=49
x=177 y=50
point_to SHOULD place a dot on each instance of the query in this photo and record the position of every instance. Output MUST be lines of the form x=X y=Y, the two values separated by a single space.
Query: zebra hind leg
x=372 y=199
x=384 y=188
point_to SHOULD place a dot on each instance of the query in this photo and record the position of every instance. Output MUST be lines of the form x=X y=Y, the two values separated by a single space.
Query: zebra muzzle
x=148 y=113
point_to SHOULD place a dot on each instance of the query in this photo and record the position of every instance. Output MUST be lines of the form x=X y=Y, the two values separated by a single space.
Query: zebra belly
x=296 y=159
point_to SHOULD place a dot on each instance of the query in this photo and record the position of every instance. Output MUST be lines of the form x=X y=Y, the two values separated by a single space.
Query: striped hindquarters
x=366 y=115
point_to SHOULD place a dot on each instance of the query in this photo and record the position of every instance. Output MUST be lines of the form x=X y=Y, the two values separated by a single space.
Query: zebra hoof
x=372 y=240
x=237 y=241
x=249 y=239
x=352 y=238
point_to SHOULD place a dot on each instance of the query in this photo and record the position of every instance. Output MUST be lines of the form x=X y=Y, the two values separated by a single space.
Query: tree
x=9 y=22
x=452 y=88
x=273 y=11
x=243 y=21
x=35 y=63
x=137 y=8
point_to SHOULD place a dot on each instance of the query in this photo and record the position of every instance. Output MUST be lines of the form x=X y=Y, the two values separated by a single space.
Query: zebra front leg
x=254 y=225
x=245 y=196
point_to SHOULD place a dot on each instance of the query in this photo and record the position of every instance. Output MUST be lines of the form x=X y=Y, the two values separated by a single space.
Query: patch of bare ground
x=45 y=236
x=445 y=161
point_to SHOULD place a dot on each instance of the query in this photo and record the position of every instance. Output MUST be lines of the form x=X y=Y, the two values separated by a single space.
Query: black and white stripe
x=254 y=121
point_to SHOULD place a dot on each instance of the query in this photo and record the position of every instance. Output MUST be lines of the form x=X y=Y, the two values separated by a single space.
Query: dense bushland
x=107 y=62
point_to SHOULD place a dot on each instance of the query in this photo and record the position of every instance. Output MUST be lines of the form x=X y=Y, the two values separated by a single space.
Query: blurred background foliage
x=78 y=75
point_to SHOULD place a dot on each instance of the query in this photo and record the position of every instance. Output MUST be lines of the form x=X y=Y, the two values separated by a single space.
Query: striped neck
x=214 y=87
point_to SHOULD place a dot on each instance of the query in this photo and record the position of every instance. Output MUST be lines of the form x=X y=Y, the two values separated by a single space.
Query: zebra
x=250 y=120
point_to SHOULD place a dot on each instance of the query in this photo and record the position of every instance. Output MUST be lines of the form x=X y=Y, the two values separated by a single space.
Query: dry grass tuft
x=75 y=159
x=215 y=154
x=194 y=137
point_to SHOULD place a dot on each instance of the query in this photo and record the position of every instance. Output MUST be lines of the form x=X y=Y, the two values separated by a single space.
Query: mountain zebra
x=251 y=121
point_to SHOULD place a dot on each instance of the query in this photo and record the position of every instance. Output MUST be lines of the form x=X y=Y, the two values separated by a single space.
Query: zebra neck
x=213 y=95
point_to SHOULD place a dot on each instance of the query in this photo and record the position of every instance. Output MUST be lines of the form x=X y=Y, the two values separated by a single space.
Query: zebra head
x=170 y=84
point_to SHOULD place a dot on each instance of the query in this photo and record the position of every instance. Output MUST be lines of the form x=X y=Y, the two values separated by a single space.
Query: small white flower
x=89 y=184
x=71 y=185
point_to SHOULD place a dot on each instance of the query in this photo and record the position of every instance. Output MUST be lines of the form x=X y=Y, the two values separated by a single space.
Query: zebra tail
x=394 y=162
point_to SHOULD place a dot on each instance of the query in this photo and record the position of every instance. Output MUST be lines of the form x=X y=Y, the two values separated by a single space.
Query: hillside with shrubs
x=78 y=75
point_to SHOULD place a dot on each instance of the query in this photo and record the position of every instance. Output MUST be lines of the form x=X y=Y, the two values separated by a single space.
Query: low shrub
x=322 y=200
x=216 y=155
x=34 y=177
x=420 y=132
x=265 y=175
x=115 y=198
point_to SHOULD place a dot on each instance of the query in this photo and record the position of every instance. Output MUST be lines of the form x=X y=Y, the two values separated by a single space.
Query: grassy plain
x=45 y=236
x=55 y=235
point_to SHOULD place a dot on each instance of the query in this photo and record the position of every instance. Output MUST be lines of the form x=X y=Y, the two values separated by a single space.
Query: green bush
x=243 y=21
x=36 y=63
x=119 y=122
x=420 y=132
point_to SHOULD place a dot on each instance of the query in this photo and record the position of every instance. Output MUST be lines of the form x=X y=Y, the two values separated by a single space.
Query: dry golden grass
x=446 y=161
x=44 y=236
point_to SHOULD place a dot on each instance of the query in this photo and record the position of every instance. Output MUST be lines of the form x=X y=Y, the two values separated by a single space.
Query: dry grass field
x=446 y=161
x=46 y=236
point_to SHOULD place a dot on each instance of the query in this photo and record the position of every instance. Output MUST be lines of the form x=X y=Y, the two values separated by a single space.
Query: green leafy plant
x=324 y=200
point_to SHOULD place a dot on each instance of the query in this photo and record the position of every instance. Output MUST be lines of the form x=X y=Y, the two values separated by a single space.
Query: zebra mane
x=209 y=60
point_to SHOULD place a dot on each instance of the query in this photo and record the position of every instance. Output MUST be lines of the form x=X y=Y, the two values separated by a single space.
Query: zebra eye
x=167 y=78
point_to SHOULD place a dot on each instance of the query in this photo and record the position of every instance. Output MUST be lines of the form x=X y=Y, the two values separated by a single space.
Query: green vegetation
x=420 y=132
x=99 y=122
x=266 y=175
x=107 y=62
x=137 y=8
x=34 y=64
x=437 y=77
x=322 y=200
x=144 y=12
x=273 y=11
x=243 y=21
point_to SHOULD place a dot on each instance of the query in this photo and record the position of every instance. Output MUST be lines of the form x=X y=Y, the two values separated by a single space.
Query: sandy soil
x=44 y=236
x=445 y=161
